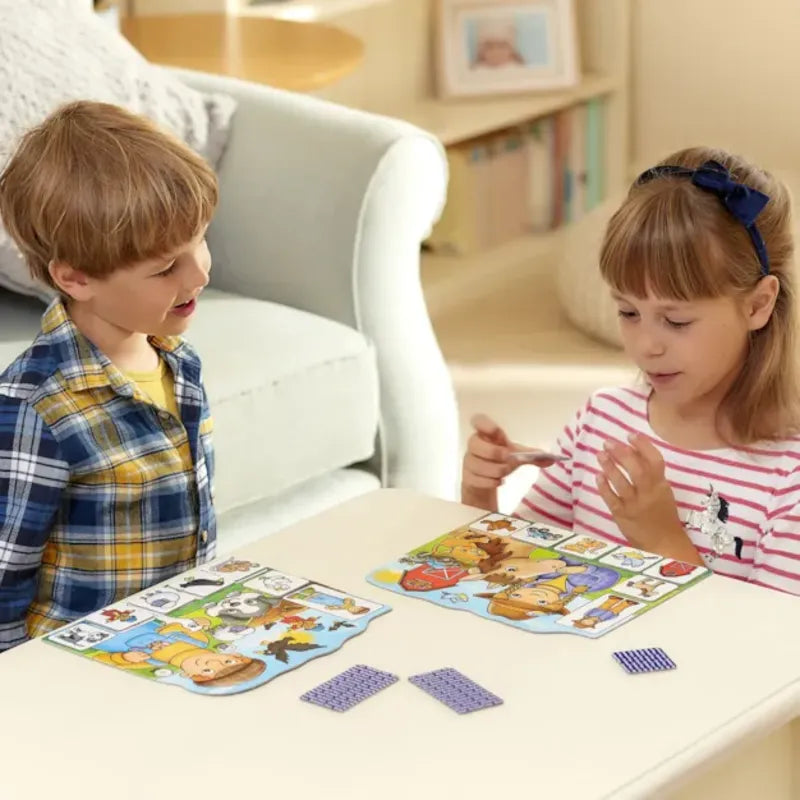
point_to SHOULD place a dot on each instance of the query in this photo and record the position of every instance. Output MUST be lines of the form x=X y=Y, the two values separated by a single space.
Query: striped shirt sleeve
x=777 y=564
x=550 y=499
x=32 y=478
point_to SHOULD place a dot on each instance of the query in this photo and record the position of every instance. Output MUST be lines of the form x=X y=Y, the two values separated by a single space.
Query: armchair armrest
x=323 y=208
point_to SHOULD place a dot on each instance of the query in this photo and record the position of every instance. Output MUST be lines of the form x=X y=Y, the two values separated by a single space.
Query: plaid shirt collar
x=83 y=365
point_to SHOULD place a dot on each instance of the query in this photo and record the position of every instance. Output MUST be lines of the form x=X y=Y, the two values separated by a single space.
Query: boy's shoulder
x=31 y=370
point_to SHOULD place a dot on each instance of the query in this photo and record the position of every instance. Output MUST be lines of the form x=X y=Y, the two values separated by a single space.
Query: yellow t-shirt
x=159 y=386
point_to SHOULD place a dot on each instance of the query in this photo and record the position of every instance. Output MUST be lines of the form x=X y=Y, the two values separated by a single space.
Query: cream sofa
x=323 y=372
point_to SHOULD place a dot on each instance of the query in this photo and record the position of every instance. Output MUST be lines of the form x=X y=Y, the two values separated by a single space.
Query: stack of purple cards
x=650 y=659
x=455 y=690
x=349 y=688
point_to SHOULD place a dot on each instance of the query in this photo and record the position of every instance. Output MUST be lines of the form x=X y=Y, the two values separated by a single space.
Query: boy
x=105 y=455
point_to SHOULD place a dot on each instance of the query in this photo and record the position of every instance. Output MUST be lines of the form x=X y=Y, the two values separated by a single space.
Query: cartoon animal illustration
x=251 y=608
x=646 y=587
x=80 y=635
x=118 y=615
x=532 y=600
x=189 y=582
x=340 y=623
x=276 y=583
x=297 y=623
x=499 y=525
x=543 y=534
x=633 y=559
x=158 y=644
x=235 y=565
x=583 y=546
x=609 y=609
x=712 y=522
x=280 y=648
x=453 y=597
x=330 y=601
x=230 y=633
x=478 y=551
x=162 y=599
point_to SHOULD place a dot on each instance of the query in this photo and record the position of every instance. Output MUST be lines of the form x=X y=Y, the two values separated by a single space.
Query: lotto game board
x=540 y=579
x=225 y=628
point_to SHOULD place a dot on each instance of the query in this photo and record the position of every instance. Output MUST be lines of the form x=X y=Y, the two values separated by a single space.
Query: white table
x=573 y=725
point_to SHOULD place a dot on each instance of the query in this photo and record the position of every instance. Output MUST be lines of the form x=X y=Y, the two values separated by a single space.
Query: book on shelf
x=531 y=178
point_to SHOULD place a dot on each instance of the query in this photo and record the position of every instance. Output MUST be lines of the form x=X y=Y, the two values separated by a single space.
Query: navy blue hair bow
x=744 y=203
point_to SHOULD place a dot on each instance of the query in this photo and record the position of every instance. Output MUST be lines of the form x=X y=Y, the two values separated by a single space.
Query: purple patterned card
x=349 y=688
x=650 y=659
x=455 y=690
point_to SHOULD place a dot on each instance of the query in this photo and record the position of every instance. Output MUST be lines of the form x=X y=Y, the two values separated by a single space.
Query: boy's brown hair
x=100 y=188
x=681 y=243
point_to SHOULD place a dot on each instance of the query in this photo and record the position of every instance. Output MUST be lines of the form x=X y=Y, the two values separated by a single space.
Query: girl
x=699 y=261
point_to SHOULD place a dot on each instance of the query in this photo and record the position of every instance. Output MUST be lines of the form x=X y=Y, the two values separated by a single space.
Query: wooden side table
x=300 y=56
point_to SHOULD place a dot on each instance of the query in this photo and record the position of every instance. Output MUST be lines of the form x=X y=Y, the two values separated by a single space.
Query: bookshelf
x=397 y=79
x=301 y=10
x=603 y=30
x=457 y=122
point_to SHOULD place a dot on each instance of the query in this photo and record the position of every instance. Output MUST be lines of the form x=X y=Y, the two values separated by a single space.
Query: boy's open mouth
x=185 y=309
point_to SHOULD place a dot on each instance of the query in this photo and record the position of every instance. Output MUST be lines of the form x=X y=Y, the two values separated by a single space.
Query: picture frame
x=505 y=46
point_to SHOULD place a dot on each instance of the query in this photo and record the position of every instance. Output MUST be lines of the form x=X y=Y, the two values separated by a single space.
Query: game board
x=224 y=628
x=537 y=578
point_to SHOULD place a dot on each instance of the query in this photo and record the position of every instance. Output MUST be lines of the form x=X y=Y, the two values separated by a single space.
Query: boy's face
x=156 y=297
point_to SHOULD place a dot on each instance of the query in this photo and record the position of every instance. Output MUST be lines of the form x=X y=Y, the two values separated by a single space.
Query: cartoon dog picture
x=235 y=565
x=250 y=608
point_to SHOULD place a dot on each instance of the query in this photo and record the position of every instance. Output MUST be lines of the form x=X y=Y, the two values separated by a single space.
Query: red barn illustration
x=427 y=577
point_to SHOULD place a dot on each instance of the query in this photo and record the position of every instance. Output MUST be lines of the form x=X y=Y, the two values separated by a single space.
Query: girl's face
x=690 y=351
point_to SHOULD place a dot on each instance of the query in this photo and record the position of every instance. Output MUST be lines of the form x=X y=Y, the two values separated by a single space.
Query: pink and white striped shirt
x=740 y=506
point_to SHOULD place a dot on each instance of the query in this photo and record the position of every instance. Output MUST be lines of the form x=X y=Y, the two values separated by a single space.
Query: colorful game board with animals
x=540 y=579
x=224 y=628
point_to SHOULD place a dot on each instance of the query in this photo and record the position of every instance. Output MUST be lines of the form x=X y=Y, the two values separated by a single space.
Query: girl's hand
x=487 y=462
x=642 y=503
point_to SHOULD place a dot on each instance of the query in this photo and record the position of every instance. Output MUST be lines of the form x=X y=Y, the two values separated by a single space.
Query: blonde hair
x=679 y=242
x=100 y=188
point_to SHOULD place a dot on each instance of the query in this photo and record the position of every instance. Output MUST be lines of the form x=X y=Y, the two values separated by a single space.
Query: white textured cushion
x=55 y=51
x=293 y=395
x=584 y=296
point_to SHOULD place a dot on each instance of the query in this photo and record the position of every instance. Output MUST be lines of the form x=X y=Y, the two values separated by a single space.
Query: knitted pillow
x=55 y=51
x=584 y=296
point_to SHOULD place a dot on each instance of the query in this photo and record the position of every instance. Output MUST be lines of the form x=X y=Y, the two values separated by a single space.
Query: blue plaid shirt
x=102 y=494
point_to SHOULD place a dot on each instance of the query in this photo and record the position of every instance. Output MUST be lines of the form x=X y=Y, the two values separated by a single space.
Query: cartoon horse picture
x=712 y=522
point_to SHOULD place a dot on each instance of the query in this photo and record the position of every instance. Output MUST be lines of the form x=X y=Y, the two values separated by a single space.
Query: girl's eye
x=676 y=324
x=626 y=314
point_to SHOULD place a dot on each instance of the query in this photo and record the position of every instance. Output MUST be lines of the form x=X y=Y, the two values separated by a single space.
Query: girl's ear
x=760 y=302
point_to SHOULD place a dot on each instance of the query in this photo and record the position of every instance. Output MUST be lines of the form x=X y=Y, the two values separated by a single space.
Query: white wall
x=717 y=72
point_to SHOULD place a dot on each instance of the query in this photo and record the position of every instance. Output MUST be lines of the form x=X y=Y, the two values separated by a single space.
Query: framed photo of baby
x=505 y=46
